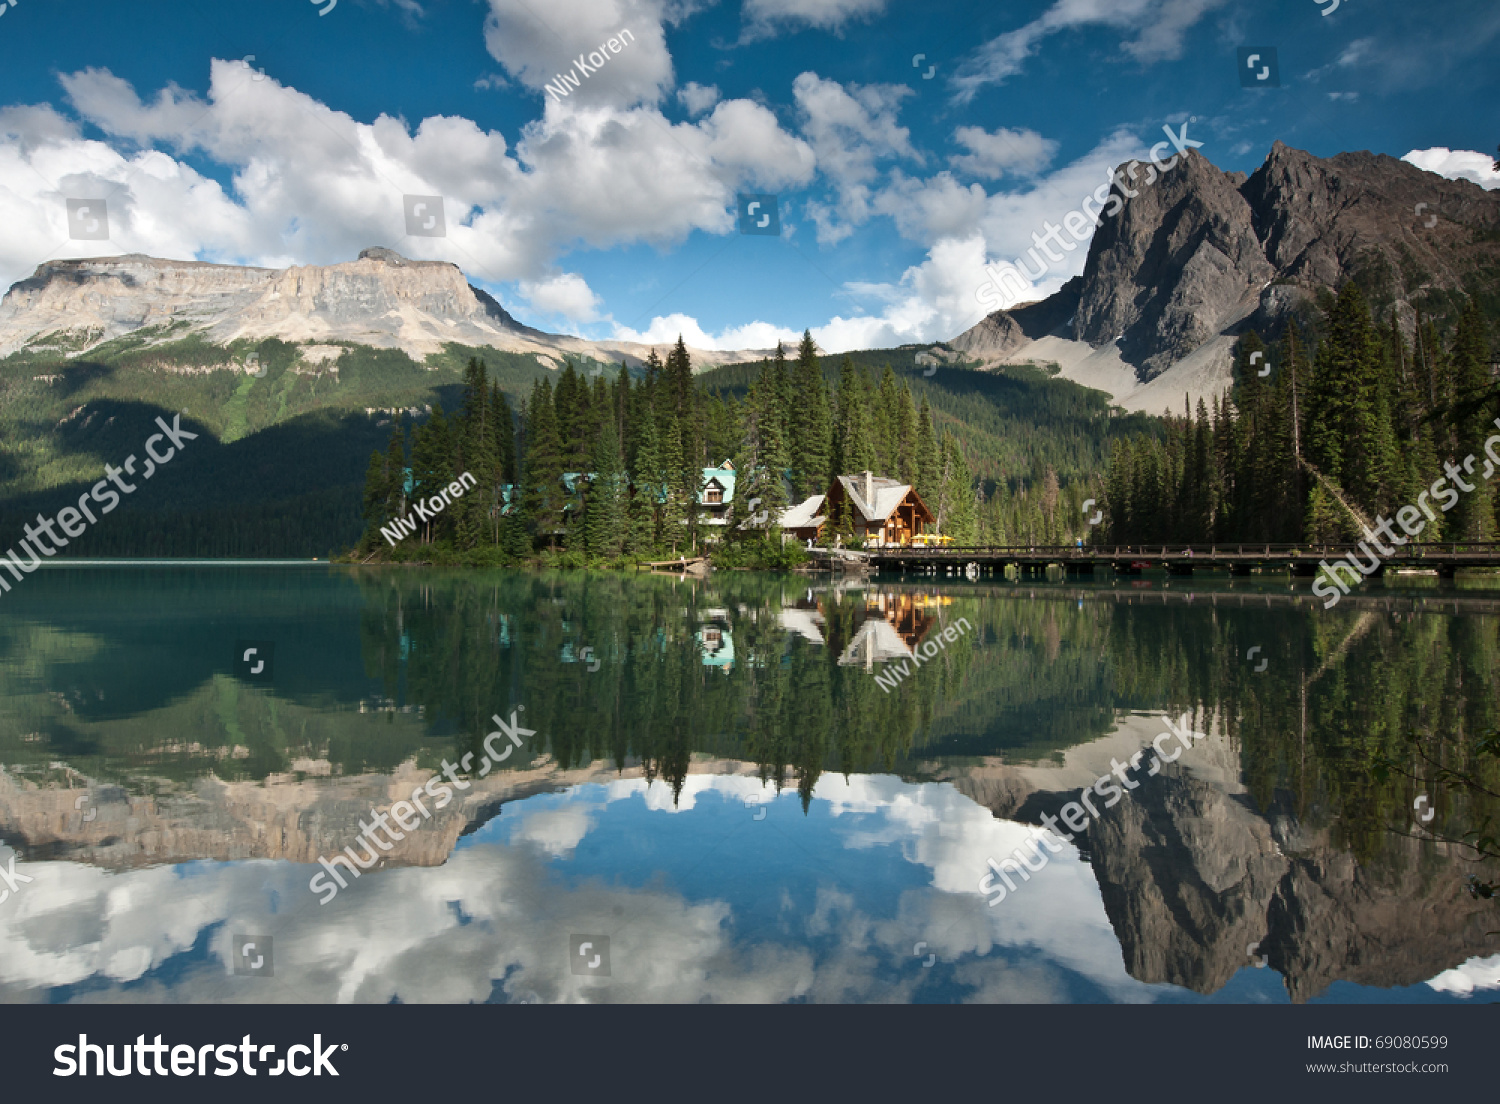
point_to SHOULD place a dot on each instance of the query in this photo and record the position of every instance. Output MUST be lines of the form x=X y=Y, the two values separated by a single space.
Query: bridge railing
x=1146 y=552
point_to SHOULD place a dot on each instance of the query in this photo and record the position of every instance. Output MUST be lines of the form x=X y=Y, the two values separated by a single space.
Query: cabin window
x=714 y=496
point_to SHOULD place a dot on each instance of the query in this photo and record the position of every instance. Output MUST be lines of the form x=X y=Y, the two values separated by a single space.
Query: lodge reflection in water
x=748 y=682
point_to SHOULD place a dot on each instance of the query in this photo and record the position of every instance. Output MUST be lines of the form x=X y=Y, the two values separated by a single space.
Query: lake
x=704 y=793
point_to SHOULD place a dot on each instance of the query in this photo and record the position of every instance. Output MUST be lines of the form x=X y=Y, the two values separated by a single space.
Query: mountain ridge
x=381 y=299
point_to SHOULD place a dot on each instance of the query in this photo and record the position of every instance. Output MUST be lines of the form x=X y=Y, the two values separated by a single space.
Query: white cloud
x=697 y=98
x=491 y=914
x=557 y=832
x=765 y=18
x=664 y=330
x=935 y=300
x=1012 y=218
x=567 y=294
x=1157 y=26
x=1457 y=165
x=314 y=186
x=850 y=128
x=965 y=229
x=1473 y=975
x=926 y=210
x=993 y=154
x=538 y=42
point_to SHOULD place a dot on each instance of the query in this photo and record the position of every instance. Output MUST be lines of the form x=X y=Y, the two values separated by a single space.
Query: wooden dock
x=682 y=565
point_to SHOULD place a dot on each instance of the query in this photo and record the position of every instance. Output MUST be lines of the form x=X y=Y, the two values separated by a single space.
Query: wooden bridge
x=1183 y=559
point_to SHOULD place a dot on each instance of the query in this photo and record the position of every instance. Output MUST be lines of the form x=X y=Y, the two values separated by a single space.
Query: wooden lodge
x=880 y=511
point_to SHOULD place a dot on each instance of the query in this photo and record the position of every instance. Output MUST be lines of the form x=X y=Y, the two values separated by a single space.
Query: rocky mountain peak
x=381 y=253
x=1197 y=255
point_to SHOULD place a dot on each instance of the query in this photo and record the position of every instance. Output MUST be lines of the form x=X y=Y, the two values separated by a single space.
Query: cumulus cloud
x=664 y=330
x=536 y=43
x=935 y=300
x=931 y=208
x=313 y=185
x=1457 y=165
x=993 y=154
x=964 y=229
x=567 y=294
x=851 y=129
x=697 y=98
x=558 y=832
x=488 y=921
x=1472 y=976
x=1155 y=29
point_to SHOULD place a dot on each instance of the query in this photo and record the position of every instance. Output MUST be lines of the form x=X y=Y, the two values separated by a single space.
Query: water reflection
x=669 y=718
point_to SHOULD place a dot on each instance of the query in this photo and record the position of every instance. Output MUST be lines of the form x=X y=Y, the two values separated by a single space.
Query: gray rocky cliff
x=1199 y=253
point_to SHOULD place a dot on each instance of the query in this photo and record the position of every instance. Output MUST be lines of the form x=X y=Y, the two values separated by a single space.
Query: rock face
x=1177 y=266
x=1200 y=254
x=1192 y=876
x=287 y=818
x=1002 y=333
x=382 y=299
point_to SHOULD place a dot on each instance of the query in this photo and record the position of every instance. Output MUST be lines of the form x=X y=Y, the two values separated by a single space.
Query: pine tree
x=928 y=477
x=811 y=438
x=541 y=500
x=1474 y=408
x=432 y=455
x=762 y=461
x=604 y=520
x=905 y=468
x=376 y=501
x=853 y=449
x=956 y=499
x=475 y=440
x=885 y=419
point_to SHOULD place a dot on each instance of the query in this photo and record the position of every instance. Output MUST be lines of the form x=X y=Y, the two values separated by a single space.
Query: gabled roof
x=805 y=514
x=724 y=476
x=875 y=639
x=888 y=494
x=805 y=623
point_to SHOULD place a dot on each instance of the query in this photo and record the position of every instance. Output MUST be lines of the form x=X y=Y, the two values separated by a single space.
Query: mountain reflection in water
x=719 y=788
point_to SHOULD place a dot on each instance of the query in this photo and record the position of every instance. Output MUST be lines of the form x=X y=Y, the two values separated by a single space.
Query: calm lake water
x=713 y=799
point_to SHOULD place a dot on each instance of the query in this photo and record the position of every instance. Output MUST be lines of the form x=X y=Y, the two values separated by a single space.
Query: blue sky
x=612 y=212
